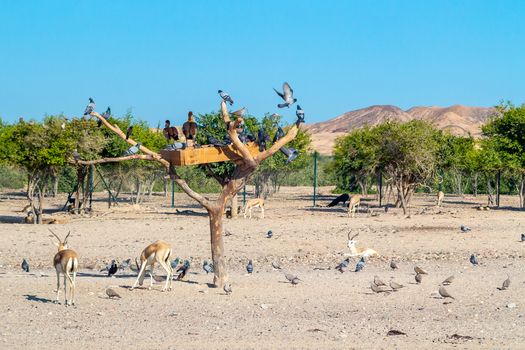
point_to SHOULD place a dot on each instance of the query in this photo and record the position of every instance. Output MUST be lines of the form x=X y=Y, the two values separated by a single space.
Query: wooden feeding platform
x=205 y=154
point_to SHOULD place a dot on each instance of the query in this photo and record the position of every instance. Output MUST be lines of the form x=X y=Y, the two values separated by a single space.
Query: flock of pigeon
x=190 y=127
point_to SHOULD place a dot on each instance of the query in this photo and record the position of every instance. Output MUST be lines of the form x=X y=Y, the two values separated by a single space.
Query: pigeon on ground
x=286 y=95
x=129 y=131
x=295 y=281
x=378 y=282
x=175 y=263
x=25 y=265
x=393 y=265
x=112 y=294
x=207 y=267
x=183 y=270
x=464 y=228
x=104 y=115
x=343 y=266
x=125 y=264
x=523 y=237
x=90 y=107
x=360 y=264
x=443 y=292
x=419 y=278
x=227 y=288
x=226 y=97
x=262 y=138
x=133 y=149
x=276 y=265
x=300 y=115
x=474 y=259
x=506 y=284
x=290 y=277
x=249 y=267
x=448 y=281
x=269 y=234
x=113 y=268
x=378 y=289
x=239 y=113
x=395 y=286
x=420 y=271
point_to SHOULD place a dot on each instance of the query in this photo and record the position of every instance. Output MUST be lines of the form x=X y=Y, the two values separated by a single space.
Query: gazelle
x=157 y=252
x=254 y=203
x=355 y=202
x=440 y=197
x=65 y=262
x=354 y=251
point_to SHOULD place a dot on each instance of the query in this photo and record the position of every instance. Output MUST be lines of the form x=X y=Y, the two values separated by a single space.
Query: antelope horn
x=54 y=234
x=354 y=236
x=65 y=239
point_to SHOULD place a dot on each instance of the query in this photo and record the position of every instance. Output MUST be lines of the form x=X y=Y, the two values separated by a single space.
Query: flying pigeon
x=207 y=267
x=474 y=259
x=448 y=281
x=226 y=97
x=393 y=265
x=378 y=282
x=113 y=268
x=129 y=132
x=464 y=228
x=90 y=107
x=269 y=234
x=443 y=292
x=249 y=267
x=189 y=128
x=262 y=138
x=419 y=278
x=227 y=288
x=213 y=141
x=286 y=95
x=343 y=266
x=175 y=263
x=104 y=115
x=25 y=265
x=112 y=294
x=133 y=149
x=240 y=112
x=183 y=270
x=300 y=115
x=360 y=264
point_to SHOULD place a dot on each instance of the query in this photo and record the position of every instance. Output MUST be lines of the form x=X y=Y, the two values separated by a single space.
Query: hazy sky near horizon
x=163 y=58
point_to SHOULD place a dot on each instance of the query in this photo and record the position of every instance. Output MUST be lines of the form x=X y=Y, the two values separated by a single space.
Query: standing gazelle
x=66 y=262
x=440 y=197
x=355 y=202
x=254 y=203
x=157 y=252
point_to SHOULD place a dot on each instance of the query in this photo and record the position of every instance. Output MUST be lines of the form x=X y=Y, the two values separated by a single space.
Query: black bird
x=129 y=132
x=262 y=138
x=183 y=270
x=269 y=234
x=104 y=115
x=213 y=141
x=342 y=198
x=474 y=259
x=189 y=128
x=300 y=115
x=360 y=264
x=133 y=149
x=278 y=134
x=90 y=107
x=249 y=267
x=25 y=265
x=464 y=228
x=286 y=95
x=207 y=267
x=226 y=97
x=343 y=266
x=246 y=136
x=523 y=237
x=113 y=268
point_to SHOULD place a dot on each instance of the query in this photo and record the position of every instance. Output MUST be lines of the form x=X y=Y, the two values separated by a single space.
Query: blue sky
x=163 y=58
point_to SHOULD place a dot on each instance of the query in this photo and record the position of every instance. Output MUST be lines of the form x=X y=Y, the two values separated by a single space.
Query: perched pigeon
x=448 y=281
x=25 y=265
x=249 y=267
x=269 y=234
x=464 y=228
x=378 y=289
x=300 y=115
x=393 y=265
x=183 y=270
x=506 y=284
x=227 y=288
x=443 y=292
x=213 y=141
x=113 y=268
x=360 y=264
x=125 y=264
x=378 y=281
x=104 y=115
x=474 y=259
x=523 y=237
x=133 y=149
x=395 y=286
x=419 y=278
x=175 y=263
x=286 y=95
x=207 y=267
x=278 y=134
x=420 y=271
x=112 y=294
x=343 y=266
x=90 y=107
x=129 y=132
x=76 y=155
x=262 y=138
x=276 y=265
x=245 y=136
x=239 y=113
x=226 y=97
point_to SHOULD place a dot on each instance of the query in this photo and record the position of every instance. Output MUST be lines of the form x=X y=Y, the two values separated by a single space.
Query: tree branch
x=232 y=132
x=186 y=188
x=290 y=135
x=219 y=179
x=114 y=160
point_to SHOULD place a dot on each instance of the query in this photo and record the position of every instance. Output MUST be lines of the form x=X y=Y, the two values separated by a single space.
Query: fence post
x=173 y=193
x=380 y=188
x=315 y=177
x=498 y=186
x=244 y=196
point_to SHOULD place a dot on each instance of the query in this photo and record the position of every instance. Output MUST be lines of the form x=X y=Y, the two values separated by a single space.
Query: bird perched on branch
x=262 y=138
x=90 y=107
x=226 y=97
x=129 y=132
x=170 y=132
x=300 y=115
x=286 y=95
x=133 y=149
x=104 y=115
x=183 y=270
x=189 y=128
x=213 y=141
x=25 y=265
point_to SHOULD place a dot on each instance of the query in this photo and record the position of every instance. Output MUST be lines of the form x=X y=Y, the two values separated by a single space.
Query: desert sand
x=327 y=310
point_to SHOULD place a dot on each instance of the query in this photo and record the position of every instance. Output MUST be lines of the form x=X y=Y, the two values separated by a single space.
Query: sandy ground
x=326 y=310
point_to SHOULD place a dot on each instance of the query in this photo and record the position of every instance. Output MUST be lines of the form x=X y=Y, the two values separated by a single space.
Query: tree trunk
x=522 y=191
x=217 y=245
x=400 y=191
x=55 y=185
x=40 y=208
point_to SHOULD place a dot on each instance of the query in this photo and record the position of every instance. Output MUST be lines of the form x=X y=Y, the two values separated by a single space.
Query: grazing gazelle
x=440 y=197
x=355 y=202
x=66 y=262
x=157 y=252
x=254 y=203
x=354 y=251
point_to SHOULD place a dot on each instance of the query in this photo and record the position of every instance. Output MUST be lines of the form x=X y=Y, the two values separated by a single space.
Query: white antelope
x=440 y=197
x=354 y=251
x=157 y=252
x=66 y=263
x=355 y=202
x=254 y=203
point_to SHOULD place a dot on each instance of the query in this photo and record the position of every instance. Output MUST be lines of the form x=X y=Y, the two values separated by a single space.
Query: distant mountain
x=460 y=120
